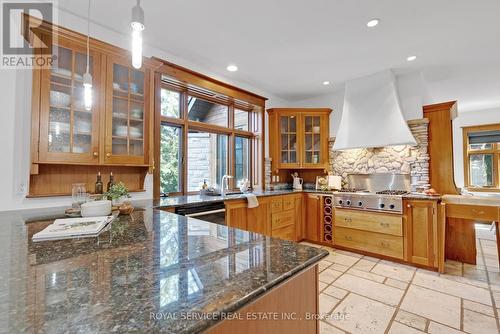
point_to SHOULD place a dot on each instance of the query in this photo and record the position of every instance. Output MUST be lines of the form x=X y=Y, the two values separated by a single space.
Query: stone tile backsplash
x=394 y=159
x=413 y=160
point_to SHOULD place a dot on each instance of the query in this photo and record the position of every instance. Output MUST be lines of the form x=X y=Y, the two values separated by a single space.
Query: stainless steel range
x=375 y=192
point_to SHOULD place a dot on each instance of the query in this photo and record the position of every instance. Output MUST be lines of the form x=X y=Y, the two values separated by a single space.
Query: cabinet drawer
x=282 y=219
x=288 y=203
x=367 y=221
x=377 y=243
x=477 y=212
x=277 y=204
x=286 y=233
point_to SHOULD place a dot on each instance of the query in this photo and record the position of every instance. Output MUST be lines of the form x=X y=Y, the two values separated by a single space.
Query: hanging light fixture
x=137 y=25
x=87 y=77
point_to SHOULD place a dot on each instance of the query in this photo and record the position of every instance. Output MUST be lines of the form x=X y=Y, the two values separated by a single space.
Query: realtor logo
x=26 y=41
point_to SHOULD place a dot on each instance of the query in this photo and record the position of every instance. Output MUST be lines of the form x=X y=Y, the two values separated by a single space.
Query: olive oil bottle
x=98 y=184
x=111 y=181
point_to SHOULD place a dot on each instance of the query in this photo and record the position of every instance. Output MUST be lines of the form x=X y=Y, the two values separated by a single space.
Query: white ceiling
x=289 y=47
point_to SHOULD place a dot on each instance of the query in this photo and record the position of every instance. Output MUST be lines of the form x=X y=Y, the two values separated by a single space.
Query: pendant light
x=137 y=25
x=87 y=77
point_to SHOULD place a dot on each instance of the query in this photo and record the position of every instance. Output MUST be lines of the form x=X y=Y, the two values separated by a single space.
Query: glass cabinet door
x=288 y=140
x=128 y=116
x=68 y=130
x=312 y=140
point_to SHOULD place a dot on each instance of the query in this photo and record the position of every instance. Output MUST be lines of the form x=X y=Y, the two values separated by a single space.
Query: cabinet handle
x=384 y=224
x=348 y=220
x=348 y=238
x=384 y=244
x=408 y=205
x=96 y=154
x=108 y=155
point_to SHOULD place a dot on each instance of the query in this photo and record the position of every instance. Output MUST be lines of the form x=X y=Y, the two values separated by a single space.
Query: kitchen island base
x=290 y=308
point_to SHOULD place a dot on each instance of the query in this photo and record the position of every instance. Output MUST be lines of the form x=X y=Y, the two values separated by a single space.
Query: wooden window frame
x=254 y=133
x=495 y=150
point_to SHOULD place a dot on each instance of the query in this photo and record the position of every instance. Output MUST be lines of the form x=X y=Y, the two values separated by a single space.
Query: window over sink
x=204 y=136
x=481 y=157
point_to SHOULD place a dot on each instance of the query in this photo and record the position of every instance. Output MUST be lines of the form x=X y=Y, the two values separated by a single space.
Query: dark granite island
x=161 y=273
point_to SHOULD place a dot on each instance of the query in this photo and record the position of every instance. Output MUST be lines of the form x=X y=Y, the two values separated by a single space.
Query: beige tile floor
x=361 y=294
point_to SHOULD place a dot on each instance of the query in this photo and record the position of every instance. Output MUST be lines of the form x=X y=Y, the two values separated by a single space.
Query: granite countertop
x=177 y=201
x=472 y=200
x=159 y=269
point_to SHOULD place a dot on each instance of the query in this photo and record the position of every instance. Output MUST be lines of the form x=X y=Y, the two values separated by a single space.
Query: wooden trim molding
x=190 y=77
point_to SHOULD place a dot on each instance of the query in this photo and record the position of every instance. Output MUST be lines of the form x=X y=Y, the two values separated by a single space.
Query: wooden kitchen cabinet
x=67 y=132
x=298 y=138
x=373 y=232
x=116 y=131
x=421 y=232
x=256 y=220
x=127 y=112
x=276 y=216
x=312 y=221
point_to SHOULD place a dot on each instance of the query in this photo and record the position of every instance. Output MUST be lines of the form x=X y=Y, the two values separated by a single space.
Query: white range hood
x=372 y=114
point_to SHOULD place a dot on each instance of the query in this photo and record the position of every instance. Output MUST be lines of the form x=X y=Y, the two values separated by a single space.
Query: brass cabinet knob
x=96 y=154
x=108 y=155
x=408 y=205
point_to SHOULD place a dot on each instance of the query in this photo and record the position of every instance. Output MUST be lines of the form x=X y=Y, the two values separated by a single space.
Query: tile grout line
x=347 y=294
x=397 y=308
x=462 y=314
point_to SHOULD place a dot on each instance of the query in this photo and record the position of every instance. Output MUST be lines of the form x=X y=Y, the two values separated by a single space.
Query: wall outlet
x=21 y=188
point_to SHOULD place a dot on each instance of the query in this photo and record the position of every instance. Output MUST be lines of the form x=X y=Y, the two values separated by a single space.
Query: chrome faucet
x=223 y=187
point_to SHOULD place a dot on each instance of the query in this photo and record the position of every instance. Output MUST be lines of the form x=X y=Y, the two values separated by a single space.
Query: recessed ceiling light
x=232 y=68
x=326 y=83
x=372 y=23
x=411 y=58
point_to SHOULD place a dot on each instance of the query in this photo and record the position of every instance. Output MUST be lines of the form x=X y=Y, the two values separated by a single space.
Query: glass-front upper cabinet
x=126 y=119
x=68 y=131
x=288 y=140
x=312 y=139
x=315 y=138
x=298 y=138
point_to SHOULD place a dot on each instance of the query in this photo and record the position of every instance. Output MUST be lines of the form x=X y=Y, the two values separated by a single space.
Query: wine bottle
x=111 y=181
x=98 y=184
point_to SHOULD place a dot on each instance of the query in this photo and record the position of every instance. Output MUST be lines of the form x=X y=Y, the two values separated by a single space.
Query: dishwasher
x=214 y=212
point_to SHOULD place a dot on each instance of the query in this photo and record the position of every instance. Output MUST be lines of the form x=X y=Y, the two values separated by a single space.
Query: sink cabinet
x=278 y=216
x=298 y=138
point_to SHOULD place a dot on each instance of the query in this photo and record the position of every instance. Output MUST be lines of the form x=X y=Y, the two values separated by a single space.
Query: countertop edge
x=205 y=325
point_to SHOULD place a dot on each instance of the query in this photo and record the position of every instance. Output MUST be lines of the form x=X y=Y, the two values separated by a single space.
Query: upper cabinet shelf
x=298 y=138
x=118 y=128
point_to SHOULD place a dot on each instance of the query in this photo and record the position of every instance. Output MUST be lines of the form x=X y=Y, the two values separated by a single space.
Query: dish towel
x=252 y=200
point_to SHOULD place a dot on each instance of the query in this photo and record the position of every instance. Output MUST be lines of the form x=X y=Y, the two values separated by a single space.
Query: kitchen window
x=241 y=158
x=207 y=159
x=170 y=103
x=170 y=159
x=200 y=110
x=481 y=157
x=202 y=137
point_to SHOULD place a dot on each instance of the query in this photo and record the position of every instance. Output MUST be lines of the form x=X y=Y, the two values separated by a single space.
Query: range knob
x=392 y=206
x=348 y=202
x=360 y=203
x=341 y=201
x=382 y=205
